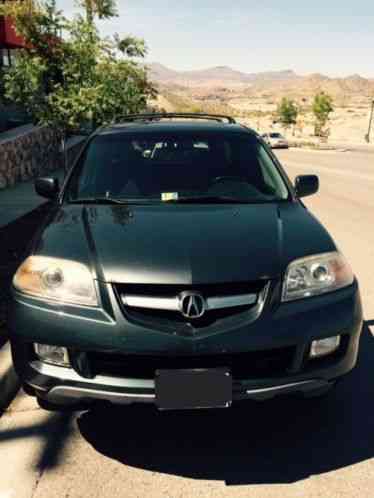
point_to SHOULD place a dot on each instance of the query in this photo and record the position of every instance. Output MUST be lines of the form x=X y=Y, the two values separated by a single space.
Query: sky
x=333 y=37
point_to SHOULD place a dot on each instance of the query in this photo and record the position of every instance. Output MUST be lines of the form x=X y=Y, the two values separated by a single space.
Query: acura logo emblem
x=192 y=304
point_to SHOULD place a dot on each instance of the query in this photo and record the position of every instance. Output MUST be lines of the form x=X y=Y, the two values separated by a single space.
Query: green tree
x=69 y=75
x=287 y=112
x=103 y=9
x=322 y=107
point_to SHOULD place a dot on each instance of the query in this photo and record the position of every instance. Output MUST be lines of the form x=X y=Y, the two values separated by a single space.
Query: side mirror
x=306 y=185
x=47 y=187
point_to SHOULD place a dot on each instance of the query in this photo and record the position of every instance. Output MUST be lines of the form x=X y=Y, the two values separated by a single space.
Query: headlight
x=316 y=275
x=57 y=279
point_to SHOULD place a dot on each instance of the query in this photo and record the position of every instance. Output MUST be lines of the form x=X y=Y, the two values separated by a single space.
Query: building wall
x=28 y=152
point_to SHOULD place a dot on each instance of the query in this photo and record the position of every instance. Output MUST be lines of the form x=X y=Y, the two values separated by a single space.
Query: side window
x=270 y=174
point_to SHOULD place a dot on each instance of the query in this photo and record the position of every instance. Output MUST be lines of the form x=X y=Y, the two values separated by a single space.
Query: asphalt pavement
x=282 y=448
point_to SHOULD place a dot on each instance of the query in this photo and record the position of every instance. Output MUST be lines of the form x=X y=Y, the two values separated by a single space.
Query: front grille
x=250 y=365
x=173 y=321
x=162 y=290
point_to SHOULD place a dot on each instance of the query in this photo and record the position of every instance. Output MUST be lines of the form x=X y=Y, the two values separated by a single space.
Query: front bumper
x=106 y=330
x=71 y=388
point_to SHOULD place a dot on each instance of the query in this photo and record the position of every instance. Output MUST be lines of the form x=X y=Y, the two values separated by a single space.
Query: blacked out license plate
x=193 y=389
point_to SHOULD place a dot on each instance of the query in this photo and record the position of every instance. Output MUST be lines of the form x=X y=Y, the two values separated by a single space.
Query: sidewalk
x=17 y=201
x=332 y=145
x=20 y=200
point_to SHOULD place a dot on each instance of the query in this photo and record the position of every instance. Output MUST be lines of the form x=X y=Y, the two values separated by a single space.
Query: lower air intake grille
x=257 y=364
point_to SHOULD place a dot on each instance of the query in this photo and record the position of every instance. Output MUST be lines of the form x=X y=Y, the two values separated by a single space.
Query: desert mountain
x=272 y=82
x=217 y=76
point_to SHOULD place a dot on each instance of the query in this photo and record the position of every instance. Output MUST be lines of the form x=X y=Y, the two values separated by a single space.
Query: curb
x=9 y=382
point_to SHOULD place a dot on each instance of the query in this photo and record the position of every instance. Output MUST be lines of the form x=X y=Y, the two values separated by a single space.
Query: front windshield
x=158 y=168
x=275 y=135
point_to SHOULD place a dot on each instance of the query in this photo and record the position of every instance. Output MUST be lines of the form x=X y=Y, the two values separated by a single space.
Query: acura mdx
x=179 y=266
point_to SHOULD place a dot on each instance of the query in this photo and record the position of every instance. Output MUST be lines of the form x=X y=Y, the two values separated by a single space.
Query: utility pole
x=367 y=136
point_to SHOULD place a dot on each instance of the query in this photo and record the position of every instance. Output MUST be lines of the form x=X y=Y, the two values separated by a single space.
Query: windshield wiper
x=96 y=200
x=202 y=199
x=212 y=199
x=107 y=200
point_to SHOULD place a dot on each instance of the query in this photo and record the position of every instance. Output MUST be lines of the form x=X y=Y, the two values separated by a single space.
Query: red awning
x=8 y=36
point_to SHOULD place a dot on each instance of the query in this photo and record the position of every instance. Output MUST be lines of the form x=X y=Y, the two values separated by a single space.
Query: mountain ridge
x=225 y=75
x=163 y=74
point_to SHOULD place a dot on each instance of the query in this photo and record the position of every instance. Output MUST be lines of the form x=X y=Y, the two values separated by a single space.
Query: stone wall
x=27 y=152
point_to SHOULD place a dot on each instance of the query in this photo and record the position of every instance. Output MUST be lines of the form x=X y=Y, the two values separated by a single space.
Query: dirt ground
x=347 y=125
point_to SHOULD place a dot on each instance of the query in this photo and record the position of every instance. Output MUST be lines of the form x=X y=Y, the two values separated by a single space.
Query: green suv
x=178 y=266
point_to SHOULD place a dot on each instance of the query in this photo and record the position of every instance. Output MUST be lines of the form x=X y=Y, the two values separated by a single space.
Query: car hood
x=184 y=244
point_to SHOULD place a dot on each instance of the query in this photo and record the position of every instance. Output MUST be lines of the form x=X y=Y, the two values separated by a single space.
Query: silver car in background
x=275 y=140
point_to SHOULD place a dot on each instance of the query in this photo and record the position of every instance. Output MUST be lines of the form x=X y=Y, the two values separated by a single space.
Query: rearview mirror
x=306 y=185
x=47 y=187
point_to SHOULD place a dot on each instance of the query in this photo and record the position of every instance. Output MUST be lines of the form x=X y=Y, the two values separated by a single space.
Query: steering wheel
x=220 y=179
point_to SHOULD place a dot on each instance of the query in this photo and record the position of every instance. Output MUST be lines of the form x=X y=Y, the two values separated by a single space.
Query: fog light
x=324 y=347
x=55 y=355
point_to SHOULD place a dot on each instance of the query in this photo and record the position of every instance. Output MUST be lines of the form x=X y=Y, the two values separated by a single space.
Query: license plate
x=192 y=389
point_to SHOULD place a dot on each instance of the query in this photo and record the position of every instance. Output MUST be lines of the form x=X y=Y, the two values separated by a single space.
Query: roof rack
x=170 y=115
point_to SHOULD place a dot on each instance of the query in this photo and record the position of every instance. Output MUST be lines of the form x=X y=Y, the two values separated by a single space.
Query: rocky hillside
x=217 y=76
x=221 y=79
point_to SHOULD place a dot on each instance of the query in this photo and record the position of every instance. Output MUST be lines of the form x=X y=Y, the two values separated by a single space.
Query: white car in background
x=275 y=140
